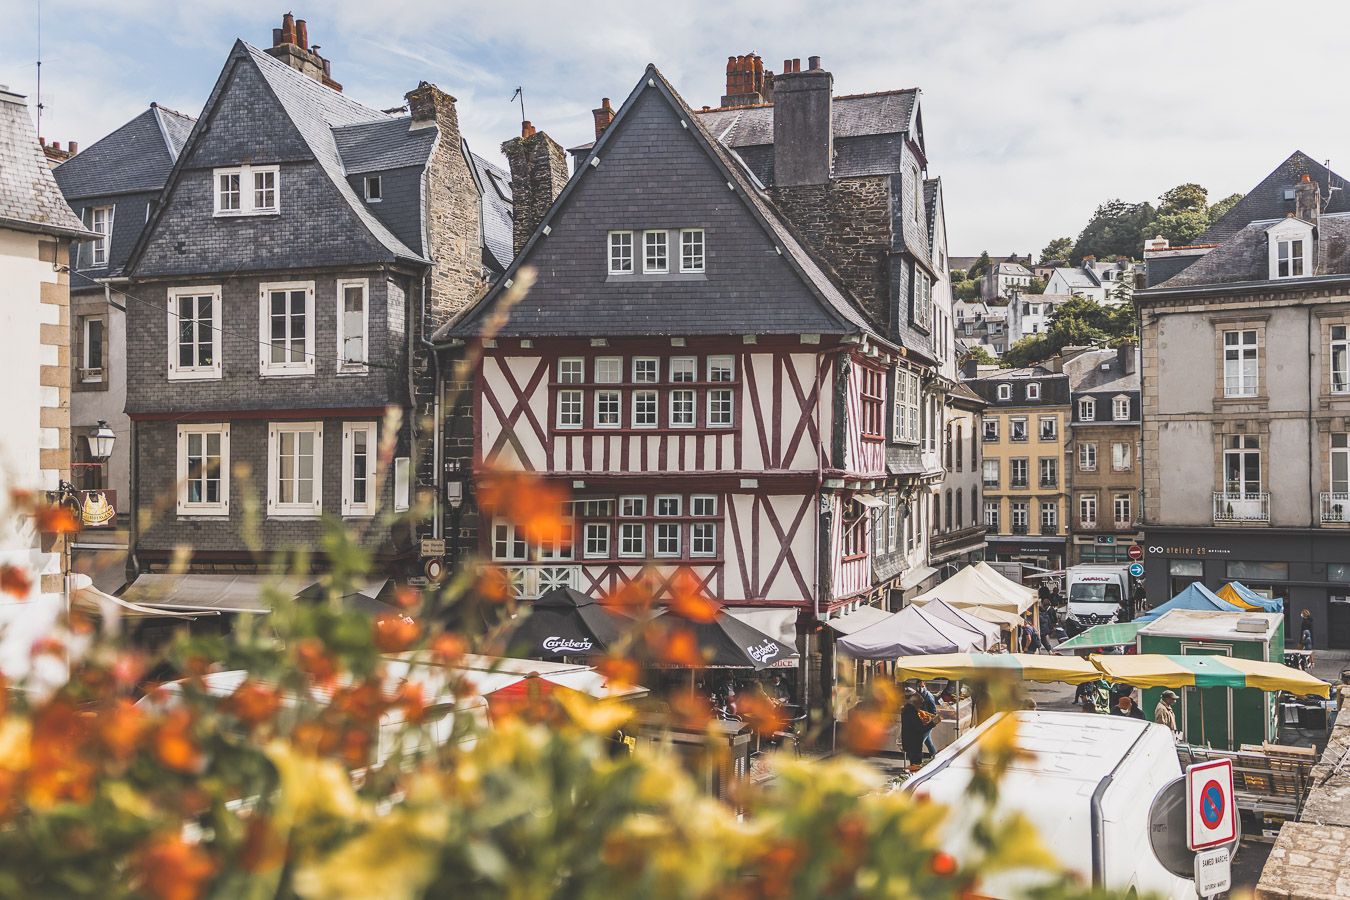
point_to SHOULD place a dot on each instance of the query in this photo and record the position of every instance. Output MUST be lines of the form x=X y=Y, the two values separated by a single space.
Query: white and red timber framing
x=729 y=418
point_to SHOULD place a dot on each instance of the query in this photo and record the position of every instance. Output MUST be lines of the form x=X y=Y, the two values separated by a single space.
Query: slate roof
x=383 y=144
x=317 y=112
x=29 y=197
x=1086 y=374
x=1266 y=200
x=498 y=238
x=932 y=187
x=1245 y=257
x=855 y=115
x=1077 y=277
x=1012 y=268
x=134 y=159
x=593 y=317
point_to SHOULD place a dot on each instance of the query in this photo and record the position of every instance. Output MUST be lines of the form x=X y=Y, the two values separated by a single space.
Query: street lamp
x=101 y=441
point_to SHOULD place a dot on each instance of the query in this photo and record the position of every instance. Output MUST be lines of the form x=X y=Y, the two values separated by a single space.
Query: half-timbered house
x=716 y=399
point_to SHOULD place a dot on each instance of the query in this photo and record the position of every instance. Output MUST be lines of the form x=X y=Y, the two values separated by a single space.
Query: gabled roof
x=839 y=312
x=29 y=197
x=1012 y=268
x=383 y=144
x=1086 y=374
x=495 y=188
x=932 y=193
x=134 y=159
x=1077 y=277
x=1245 y=257
x=1267 y=200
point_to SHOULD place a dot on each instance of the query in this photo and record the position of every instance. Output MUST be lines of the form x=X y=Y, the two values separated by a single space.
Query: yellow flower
x=596 y=716
x=311 y=788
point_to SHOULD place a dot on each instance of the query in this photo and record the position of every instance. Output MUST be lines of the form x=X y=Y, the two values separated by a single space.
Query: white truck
x=1085 y=782
x=1096 y=592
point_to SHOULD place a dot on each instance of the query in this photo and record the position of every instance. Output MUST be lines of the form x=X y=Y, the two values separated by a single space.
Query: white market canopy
x=910 y=632
x=987 y=633
x=982 y=592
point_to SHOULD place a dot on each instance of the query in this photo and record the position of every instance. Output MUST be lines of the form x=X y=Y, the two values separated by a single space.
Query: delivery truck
x=1096 y=592
x=1085 y=782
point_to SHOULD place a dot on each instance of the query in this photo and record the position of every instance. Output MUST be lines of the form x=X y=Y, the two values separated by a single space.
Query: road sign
x=433 y=547
x=1211 y=815
x=1135 y=552
x=1213 y=871
x=1136 y=570
x=1167 y=829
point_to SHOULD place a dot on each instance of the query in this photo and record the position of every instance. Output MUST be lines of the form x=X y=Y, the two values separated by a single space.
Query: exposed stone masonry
x=538 y=174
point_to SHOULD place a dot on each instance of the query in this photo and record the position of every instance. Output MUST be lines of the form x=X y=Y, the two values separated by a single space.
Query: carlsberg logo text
x=565 y=645
x=764 y=652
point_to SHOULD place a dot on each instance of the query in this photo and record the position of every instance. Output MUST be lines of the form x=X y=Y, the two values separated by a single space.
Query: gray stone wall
x=538 y=174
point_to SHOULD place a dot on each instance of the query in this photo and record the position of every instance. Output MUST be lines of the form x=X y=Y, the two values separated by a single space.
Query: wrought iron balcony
x=1087 y=524
x=1019 y=528
x=1049 y=482
x=1049 y=529
x=1237 y=506
x=1335 y=506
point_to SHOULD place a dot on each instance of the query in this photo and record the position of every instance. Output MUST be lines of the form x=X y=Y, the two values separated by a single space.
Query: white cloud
x=1035 y=110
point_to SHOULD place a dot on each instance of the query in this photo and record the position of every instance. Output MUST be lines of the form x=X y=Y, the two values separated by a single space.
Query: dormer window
x=247 y=191
x=1120 y=409
x=1289 y=258
x=1034 y=391
x=1005 y=392
x=1291 y=248
x=1087 y=409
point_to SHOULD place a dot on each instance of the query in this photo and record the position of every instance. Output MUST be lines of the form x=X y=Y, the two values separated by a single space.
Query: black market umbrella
x=373 y=597
x=727 y=642
x=565 y=622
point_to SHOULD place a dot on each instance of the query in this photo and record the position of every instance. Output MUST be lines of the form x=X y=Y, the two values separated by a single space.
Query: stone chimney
x=1307 y=200
x=603 y=116
x=970 y=368
x=803 y=129
x=1125 y=357
x=538 y=174
x=748 y=83
x=290 y=44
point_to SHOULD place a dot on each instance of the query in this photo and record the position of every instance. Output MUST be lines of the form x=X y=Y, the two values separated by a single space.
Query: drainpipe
x=1315 y=506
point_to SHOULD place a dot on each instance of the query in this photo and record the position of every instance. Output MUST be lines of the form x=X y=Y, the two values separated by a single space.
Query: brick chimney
x=538 y=174
x=803 y=130
x=748 y=83
x=290 y=44
x=603 y=116
x=55 y=155
x=1307 y=200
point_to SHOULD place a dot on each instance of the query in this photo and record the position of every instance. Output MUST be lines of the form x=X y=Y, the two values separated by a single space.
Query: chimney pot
x=302 y=34
x=1308 y=200
x=796 y=64
x=276 y=37
x=813 y=62
x=603 y=116
x=787 y=66
x=74 y=148
x=526 y=129
x=42 y=140
x=288 y=29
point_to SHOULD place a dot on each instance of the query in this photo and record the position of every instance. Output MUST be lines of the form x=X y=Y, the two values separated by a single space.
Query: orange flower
x=493 y=585
x=620 y=671
x=534 y=505
x=312 y=658
x=866 y=730
x=410 y=701
x=942 y=864
x=59 y=767
x=679 y=647
x=315 y=737
x=172 y=869
x=448 y=648
x=127 y=669
x=361 y=702
x=688 y=601
x=174 y=744
x=253 y=703
x=120 y=728
x=356 y=747
x=15 y=581
x=55 y=518
x=395 y=632
x=688 y=711
x=632 y=597
x=263 y=848
x=406 y=597
x=762 y=714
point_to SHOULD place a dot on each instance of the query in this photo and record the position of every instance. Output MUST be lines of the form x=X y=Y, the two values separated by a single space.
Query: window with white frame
x=721 y=408
x=655 y=252
x=1005 y=392
x=666 y=535
x=1087 y=410
x=1087 y=457
x=1240 y=366
x=991 y=467
x=1049 y=428
x=92 y=330
x=1017 y=472
x=1087 y=510
x=508 y=542
x=1020 y=516
x=1340 y=359
x=721 y=368
x=682 y=412
x=923 y=299
x=632 y=535
x=703 y=534
x=1049 y=516
x=204 y=470
x=1289 y=258
x=1121 y=502
x=991 y=515
x=570 y=408
x=1121 y=456
x=1033 y=390
x=374 y=189
x=1017 y=429
x=248 y=191
x=596 y=540
x=353 y=324
x=621 y=253
x=1242 y=465
x=194 y=333
x=402 y=483
x=691 y=250
x=1120 y=409
x=286 y=320
x=608 y=409
x=683 y=369
x=609 y=370
x=991 y=429
x=571 y=370
x=98 y=219
x=1049 y=471
x=645 y=407
x=905 y=408
x=892 y=520
x=295 y=469
x=1340 y=465
x=646 y=370
x=359 y=452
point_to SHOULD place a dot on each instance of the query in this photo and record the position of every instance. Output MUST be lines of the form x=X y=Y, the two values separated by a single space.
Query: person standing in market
x=913 y=728
x=929 y=705
x=1125 y=706
x=1162 y=713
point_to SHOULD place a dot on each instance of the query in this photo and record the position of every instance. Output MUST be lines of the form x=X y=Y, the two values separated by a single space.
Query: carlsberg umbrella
x=565 y=622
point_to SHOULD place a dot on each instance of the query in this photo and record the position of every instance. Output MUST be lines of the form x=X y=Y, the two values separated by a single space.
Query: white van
x=1095 y=592
x=1086 y=785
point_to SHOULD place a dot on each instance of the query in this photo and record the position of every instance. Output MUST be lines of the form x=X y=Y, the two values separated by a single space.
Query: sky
x=1035 y=111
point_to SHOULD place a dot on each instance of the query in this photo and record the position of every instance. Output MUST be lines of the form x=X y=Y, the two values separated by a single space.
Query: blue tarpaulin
x=1196 y=596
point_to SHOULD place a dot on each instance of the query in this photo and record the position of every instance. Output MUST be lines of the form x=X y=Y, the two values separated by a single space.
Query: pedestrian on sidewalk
x=913 y=728
x=1162 y=713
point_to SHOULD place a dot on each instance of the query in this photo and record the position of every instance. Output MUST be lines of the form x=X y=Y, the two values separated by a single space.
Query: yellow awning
x=1149 y=670
x=1026 y=666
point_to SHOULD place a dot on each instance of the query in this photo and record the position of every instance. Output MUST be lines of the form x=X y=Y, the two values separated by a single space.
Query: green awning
x=1112 y=634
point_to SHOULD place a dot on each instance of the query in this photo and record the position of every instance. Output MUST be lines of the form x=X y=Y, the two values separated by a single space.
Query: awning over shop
x=1112 y=634
x=1026 y=666
x=87 y=598
x=871 y=501
x=981 y=591
x=779 y=624
x=210 y=593
x=1149 y=670
x=371 y=597
x=860 y=618
x=917 y=575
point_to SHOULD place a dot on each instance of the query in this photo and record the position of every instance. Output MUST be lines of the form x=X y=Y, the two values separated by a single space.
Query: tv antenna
x=520 y=92
x=39 y=67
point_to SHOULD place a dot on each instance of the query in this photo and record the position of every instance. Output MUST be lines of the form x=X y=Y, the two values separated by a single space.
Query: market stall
x=1238 y=594
x=1101 y=637
x=983 y=593
x=1025 y=666
x=913 y=630
x=1195 y=597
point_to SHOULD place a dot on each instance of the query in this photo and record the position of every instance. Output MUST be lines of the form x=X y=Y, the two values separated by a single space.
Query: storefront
x=1306 y=568
x=1044 y=553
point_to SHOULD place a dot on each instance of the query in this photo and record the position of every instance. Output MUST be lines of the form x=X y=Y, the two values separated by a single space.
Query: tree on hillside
x=1182 y=198
x=980 y=267
x=1027 y=352
x=1057 y=249
x=1183 y=214
x=1116 y=229
x=1217 y=211
x=1077 y=322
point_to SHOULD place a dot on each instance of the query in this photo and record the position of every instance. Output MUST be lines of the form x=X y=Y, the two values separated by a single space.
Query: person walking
x=929 y=705
x=1125 y=706
x=1162 y=713
x=913 y=728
